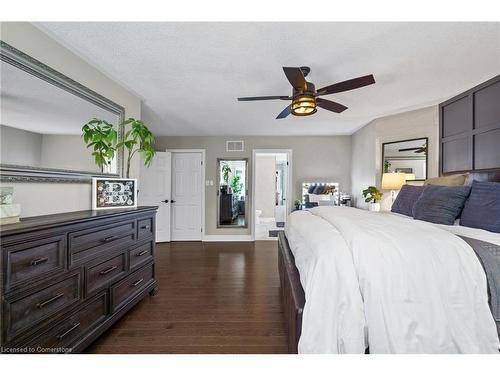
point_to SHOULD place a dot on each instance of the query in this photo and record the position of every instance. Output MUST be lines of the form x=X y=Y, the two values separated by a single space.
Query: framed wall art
x=108 y=193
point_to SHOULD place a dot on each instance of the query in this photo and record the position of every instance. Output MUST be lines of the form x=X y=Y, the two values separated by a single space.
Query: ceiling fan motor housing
x=304 y=101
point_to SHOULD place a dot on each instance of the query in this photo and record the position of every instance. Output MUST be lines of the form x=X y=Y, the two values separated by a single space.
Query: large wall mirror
x=232 y=193
x=42 y=115
x=407 y=156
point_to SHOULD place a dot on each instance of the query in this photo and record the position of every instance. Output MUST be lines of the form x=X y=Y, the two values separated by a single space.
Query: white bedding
x=381 y=280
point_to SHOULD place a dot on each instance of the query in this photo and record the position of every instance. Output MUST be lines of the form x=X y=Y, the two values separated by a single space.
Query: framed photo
x=108 y=193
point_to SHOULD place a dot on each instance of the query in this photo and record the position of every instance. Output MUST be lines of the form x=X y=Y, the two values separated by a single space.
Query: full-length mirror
x=42 y=117
x=407 y=156
x=232 y=193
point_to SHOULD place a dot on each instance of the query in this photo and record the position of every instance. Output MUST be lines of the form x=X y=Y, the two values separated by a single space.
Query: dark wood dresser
x=66 y=278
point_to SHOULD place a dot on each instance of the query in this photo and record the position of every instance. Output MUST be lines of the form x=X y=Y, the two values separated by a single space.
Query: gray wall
x=314 y=158
x=367 y=147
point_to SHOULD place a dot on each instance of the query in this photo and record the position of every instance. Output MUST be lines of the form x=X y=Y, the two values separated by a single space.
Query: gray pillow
x=406 y=199
x=482 y=209
x=440 y=204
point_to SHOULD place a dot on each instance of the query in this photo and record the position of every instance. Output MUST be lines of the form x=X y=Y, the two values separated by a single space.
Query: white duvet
x=395 y=285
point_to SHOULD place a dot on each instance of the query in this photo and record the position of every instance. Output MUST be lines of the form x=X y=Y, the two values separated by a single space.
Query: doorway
x=271 y=192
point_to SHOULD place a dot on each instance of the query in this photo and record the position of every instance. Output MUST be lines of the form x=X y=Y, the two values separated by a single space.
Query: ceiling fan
x=305 y=98
x=418 y=150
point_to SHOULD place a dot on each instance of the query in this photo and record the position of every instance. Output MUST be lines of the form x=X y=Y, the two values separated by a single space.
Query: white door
x=154 y=190
x=186 y=196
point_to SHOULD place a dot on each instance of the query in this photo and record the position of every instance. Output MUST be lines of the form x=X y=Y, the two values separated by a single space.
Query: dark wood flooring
x=213 y=298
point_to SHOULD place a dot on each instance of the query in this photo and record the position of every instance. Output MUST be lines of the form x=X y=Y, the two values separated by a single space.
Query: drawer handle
x=107 y=270
x=137 y=282
x=36 y=262
x=109 y=239
x=41 y=305
x=73 y=327
x=145 y=227
x=142 y=253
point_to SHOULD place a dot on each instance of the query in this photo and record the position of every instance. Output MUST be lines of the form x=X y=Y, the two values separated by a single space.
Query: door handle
x=172 y=201
x=166 y=201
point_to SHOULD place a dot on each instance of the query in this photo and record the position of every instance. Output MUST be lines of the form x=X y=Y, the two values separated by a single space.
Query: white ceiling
x=190 y=74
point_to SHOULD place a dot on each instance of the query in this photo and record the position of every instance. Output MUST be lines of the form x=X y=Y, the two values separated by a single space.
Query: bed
x=316 y=332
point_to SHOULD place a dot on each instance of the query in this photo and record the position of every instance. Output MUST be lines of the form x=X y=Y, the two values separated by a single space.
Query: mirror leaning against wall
x=232 y=193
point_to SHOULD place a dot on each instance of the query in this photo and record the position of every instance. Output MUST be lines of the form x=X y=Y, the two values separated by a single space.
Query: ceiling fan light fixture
x=304 y=105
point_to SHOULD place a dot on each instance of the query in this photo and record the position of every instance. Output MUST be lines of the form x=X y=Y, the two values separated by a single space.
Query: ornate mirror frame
x=16 y=173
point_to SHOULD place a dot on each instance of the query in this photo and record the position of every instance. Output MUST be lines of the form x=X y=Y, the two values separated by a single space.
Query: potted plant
x=102 y=137
x=372 y=196
x=236 y=185
x=226 y=172
x=298 y=204
x=137 y=139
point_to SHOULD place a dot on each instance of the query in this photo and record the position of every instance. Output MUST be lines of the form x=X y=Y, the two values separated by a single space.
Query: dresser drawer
x=28 y=309
x=104 y=273
x=64 y=333
x=29 y=261
x=126 y=289
x=90 y=243
x=141 y=255
x=145 y=228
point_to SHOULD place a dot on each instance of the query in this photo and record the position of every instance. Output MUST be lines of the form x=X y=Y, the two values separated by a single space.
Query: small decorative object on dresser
x=66 y=278
x=372 y=196
x=114 y=193
x=9 y=211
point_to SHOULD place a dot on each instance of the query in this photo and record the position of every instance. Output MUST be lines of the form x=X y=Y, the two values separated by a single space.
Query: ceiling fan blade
x=296 y=78
x=330 y=106
x=285 y=112
x=249 y=98
x=409 y=149
x=350 y=84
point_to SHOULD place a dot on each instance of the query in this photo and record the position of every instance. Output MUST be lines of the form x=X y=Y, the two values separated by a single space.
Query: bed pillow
x=482 y=209
x=450 y=180
x=406 y=199
x=440 y=204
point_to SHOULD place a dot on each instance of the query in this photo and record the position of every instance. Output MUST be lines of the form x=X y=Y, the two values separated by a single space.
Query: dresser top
x=48 y=221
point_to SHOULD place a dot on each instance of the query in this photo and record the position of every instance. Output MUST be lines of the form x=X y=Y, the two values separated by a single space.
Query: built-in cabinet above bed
x=469 y=129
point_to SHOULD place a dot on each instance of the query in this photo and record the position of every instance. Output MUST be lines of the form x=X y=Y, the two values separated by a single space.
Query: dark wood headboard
x=469 y=130
x=492 y=176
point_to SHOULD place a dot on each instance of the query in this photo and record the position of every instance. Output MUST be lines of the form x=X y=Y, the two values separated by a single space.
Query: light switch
x=207 y=183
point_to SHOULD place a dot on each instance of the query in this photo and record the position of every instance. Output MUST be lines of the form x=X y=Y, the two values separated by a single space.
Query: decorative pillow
x=451 y=180
x=406 y=199
x=441 y=204
x=482 y=209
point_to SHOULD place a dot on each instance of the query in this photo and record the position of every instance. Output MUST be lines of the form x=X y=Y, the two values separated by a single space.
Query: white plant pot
x=374 y=207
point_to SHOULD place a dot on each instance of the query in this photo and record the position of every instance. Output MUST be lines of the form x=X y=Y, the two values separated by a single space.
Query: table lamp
x=392 y=182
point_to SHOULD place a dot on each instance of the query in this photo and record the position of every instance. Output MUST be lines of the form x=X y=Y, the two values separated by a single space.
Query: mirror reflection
x=41 y=124
x=232 y=192
x=408 y=156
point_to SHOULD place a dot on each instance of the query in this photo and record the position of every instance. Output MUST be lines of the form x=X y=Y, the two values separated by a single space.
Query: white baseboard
x=227 y=238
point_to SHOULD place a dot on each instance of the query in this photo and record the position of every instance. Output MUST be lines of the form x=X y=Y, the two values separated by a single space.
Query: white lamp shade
x=410 y=176
x=393 y=181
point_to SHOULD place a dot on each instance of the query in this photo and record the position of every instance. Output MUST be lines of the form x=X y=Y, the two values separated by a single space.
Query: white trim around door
x=202 y=182
x=289 y=187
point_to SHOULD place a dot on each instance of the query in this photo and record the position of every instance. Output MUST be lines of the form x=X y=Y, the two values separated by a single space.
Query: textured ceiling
x=190 y=74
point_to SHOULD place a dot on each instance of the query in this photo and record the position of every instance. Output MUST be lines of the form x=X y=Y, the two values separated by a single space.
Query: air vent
x=234 y=146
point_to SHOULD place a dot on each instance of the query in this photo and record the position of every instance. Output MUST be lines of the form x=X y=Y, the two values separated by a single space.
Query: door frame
x=201 y=151
x=289 y=186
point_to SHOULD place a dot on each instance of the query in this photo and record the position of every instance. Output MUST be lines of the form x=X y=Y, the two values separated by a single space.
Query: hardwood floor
x=213 y=298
